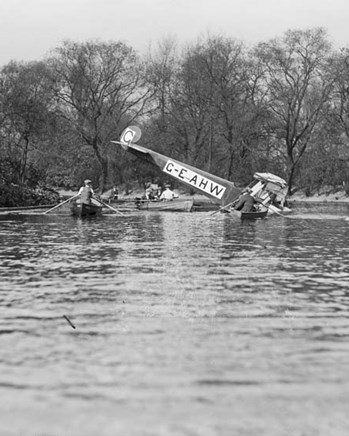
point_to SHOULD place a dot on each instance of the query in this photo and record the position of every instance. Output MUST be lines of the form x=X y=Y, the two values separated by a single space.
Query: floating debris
x=65 y=317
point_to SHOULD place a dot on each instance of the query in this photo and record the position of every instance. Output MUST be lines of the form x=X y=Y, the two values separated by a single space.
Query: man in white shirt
x=168 y=194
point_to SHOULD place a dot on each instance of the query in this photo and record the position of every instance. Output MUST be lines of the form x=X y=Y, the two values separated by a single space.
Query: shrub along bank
x=13 y=195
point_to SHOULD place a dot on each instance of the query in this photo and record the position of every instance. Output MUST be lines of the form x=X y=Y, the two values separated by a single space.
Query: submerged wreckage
x=268 y=190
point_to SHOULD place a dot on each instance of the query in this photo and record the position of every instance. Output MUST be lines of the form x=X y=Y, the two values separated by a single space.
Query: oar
x=223 y=207
x=63 y=202
x=107 y=205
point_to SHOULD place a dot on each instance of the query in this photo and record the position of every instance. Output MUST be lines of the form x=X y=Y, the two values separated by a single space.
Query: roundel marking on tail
x=131 y=135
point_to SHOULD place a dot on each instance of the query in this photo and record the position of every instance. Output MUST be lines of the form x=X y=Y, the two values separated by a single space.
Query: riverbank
x=337 y=197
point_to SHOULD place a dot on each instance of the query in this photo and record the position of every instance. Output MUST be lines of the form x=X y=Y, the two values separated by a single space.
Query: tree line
x=280 y=106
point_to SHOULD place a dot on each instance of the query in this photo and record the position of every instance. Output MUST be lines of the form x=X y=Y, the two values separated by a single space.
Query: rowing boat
x=253 y=215
x=84 y=210
x=176 y=205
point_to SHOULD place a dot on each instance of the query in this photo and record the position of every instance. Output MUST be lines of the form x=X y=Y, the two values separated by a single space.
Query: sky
x=30 y=29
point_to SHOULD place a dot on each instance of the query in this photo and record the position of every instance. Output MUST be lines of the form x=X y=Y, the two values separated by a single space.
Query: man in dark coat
x=245 y=203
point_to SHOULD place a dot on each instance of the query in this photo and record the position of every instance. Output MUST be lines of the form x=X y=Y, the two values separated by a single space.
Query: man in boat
x=86 y=192
x=114 y=194
x=168 y=194
x=152 y=192
x=149 y=192
x=245 y=202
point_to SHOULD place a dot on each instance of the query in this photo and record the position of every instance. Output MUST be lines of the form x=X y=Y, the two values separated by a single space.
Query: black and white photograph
x=174 y=218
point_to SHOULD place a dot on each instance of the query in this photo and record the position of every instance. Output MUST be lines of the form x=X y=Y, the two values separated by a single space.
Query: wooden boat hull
x=84 y=210
x=177 y=205
x=254 y=215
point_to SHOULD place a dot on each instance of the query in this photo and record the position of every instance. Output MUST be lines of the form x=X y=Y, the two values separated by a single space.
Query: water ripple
x=196 y=324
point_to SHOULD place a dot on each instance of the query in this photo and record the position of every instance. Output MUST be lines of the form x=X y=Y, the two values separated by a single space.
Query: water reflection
x=191 y=322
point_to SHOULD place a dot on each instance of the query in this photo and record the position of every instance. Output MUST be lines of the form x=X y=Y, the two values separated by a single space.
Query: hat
x=87 y=181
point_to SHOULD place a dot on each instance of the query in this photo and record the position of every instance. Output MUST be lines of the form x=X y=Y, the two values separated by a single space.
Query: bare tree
x=339 y=105
x=181 y=101
x=297 y=84
x=162 y=68
x=233 y=112
x=26 y=101
x=100 y=88
x=206 y=104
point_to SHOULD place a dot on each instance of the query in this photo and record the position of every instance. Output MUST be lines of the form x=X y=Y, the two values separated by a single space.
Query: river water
x=175 y=324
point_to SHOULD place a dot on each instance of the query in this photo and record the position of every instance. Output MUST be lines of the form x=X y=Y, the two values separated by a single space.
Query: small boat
x=176 y=205
x=253 y=215
x=83 y=210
